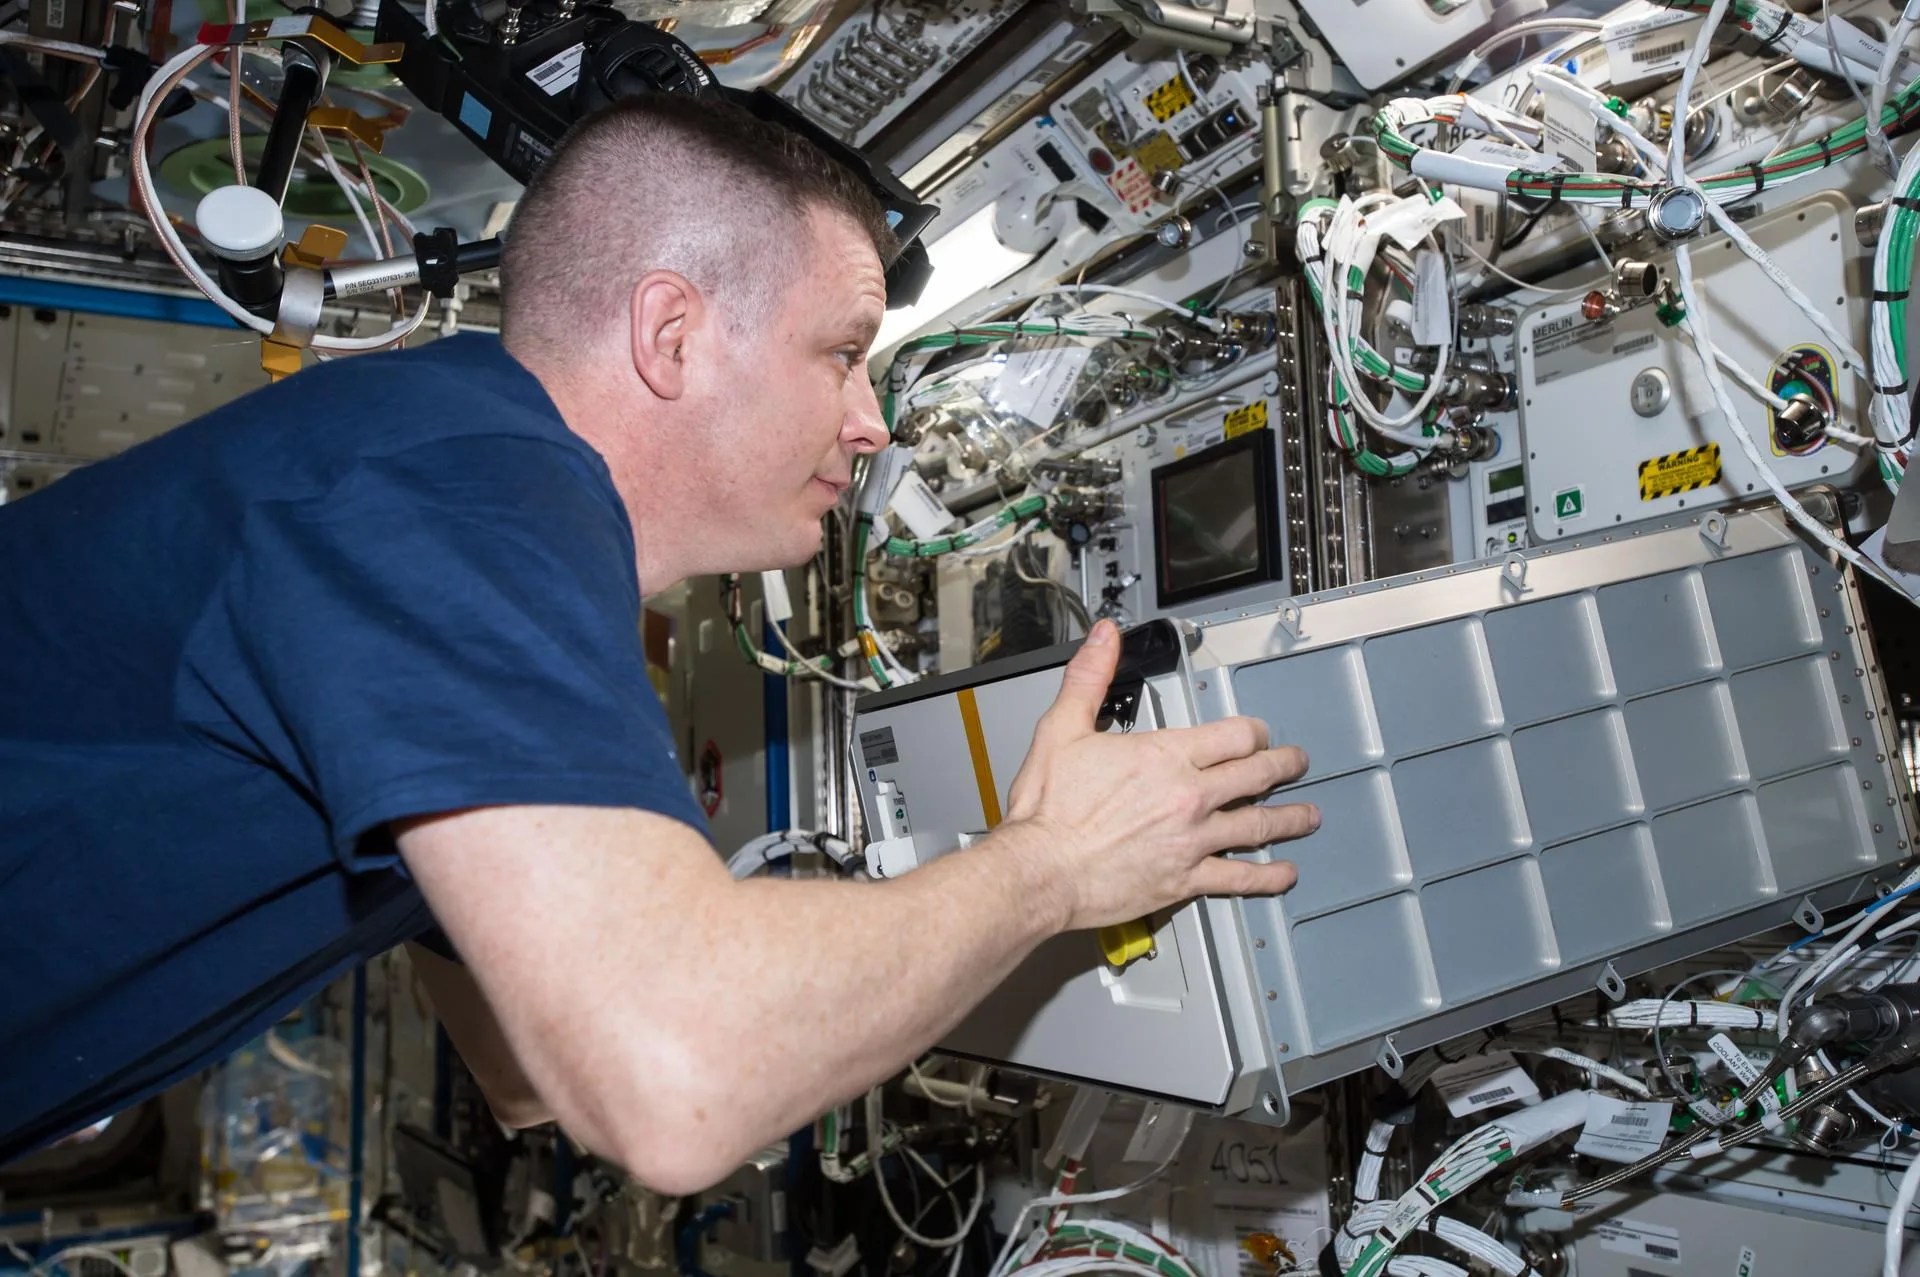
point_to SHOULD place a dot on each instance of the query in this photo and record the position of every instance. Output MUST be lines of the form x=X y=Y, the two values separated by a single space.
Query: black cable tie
x=1826 y=151
x=1768 y=42
x=1626 y=196
x=1891 y=295
x=1890 y=391
x=1693 y=1015
x=1759 y=1018
x=1907 y=202
x=1559 y=183
x=1759 y=178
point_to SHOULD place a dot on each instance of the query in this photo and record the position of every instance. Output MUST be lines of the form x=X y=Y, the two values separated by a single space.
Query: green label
x=1569 y=504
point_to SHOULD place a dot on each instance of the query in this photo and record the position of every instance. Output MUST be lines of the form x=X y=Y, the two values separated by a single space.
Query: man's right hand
x=1124 y=825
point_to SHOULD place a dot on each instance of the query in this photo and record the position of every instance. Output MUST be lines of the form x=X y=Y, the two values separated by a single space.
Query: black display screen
x=1216 y=520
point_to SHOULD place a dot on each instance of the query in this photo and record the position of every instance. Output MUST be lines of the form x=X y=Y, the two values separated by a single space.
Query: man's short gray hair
x=697 y=186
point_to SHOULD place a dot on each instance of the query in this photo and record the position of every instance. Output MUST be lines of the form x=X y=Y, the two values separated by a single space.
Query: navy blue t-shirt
x=386 y=587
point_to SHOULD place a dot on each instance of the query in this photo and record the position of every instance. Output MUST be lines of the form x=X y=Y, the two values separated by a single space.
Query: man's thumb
x=1083 y=687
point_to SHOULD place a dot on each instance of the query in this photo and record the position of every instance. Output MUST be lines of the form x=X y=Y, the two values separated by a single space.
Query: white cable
x=886 y=1198
x=808 y=668
x=1468 y=1240
x=1896 y=1235
x=1677 y=143
x=163 y=81
x=1648 y=1013
x=1883 y=79
x=926 y=1088
x=332 y=166
x=1000 y=1265
x=58 y=48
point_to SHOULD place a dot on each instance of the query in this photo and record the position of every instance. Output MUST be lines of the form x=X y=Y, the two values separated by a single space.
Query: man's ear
x=666 y=310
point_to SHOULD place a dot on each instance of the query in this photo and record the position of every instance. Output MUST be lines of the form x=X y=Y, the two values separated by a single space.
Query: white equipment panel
x=1538 y=774
x=1617 y=420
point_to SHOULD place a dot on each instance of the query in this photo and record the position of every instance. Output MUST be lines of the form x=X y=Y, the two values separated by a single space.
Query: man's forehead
x=845 y=270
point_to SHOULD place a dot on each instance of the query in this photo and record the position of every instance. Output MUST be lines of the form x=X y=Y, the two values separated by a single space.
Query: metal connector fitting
x=1636 y=279
x=1868 y=223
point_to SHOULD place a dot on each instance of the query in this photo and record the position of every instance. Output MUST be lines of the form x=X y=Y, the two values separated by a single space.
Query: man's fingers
x=1254 y=774
x=1217 y=742
x=1259 y=825
x=1084 y=685
x=1221 y=877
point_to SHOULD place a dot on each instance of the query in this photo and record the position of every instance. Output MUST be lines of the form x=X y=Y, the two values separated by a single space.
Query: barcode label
x=1623 y=1131
x=1650 y=46
x=1480 y=1082
x=559 y=72
x=1658 y=51
x=1640 y=1240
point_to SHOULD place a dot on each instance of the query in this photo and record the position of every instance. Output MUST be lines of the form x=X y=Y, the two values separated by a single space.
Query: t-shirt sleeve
x=454 y=626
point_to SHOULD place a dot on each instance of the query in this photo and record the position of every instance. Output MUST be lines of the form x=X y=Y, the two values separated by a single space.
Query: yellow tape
x=1246 y=419
x=1158 y=153
x=1170 y=99
x=982 y=765
x=1679 y=472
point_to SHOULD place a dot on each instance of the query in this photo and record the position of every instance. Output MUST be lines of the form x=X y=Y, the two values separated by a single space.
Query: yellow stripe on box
x=1679 y=472
x=982 y=765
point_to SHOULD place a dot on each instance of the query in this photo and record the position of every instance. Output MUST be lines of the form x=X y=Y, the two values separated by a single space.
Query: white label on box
x=1623 y=1131
x=1569 y=132
x=1482 y=1083
x=1034 y=381
x=1745 y=1268
x=559 y=72
x=1742 y=1068
x=1650 y=51
x=919 y=508
x=1642 y=1241
x=1432 y=312
x=1523 y=158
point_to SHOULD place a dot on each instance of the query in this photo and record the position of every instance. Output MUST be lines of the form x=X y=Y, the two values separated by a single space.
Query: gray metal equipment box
x=1538 y=775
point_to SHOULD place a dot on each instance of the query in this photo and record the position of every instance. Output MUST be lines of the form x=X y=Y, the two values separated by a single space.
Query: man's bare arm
x=675 y=1020
x=463 y=1011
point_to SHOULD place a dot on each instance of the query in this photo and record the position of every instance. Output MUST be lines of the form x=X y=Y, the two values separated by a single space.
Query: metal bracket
x=1389 y=1059
x=1713 y=530
x=1513 y=574
x=1808 y=915
x=1290 y=617
x=1610 y=983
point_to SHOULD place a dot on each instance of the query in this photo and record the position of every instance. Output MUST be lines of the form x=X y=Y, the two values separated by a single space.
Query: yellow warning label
x=1679 y=472
x=1245 y=420
x=1159 y=153
x=1170 y=99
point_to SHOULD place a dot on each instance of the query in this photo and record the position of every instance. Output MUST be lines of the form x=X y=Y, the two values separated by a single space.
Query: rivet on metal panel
x=1810 y=918
x=1272 y=996
x=1282 y=1047
x=1713 y=530
x=1856 y=742
x=1825 y=613
x=1610 y=983
x=1290 y=616
x=1833 y=656
x=1389 y=1058
x=1201 y=686
x=1513 y=574
x=1260 y=942
x=1879 y=829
